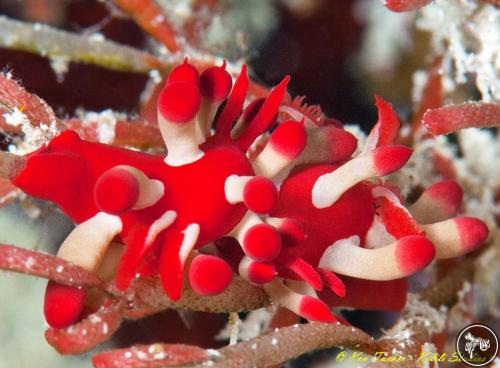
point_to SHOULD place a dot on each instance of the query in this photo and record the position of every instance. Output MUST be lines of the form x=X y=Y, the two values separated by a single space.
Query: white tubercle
x=191 y=233
x=329 y=187
x=87 y=243
x=159 y=225
x=234 y=186
x=181 y=142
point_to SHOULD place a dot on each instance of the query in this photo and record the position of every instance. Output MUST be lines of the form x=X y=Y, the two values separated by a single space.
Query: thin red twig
x=448 y=119
x=405 y=5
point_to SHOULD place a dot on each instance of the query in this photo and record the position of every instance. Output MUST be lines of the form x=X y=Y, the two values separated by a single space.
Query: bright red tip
x=387 y=159
x=184 y=73
x=333 y=282
x=265 y=117
x=216 y=83
x=413 y=253
x=260 y=195
x=472 y=231
x=314 y=309
x=387 y=124
x=289 y=139
x=448 y=193
x=301 y=268
x=234 y=104
x=63 y=304
x=209 y=275
x=179 y=102
x=116 y=191
x=261 y=273
x=341 y=143
x=262 y=243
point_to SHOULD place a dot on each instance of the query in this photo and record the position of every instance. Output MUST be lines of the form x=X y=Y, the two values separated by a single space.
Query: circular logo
x=477 y=345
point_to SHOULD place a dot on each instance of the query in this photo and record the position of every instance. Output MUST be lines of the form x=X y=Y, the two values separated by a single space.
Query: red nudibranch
x=309 y=223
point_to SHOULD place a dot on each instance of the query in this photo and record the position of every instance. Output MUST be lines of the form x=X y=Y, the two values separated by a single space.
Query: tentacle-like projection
x=306 y=306
x=333 y=282
x=327 y=144
x=178 y=105
x=286 y=143
x=265 y=117
x=301 y=268
x=175 y=251
x=233 y=107
x=140 y=241
x=84 y=246
x=400 y=259
x=379 y=162
x=215 y=85
x=439 y=202
x=456 y=236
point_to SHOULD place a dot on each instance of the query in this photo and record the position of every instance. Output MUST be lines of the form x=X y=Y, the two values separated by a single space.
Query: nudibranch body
x=300 y=210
